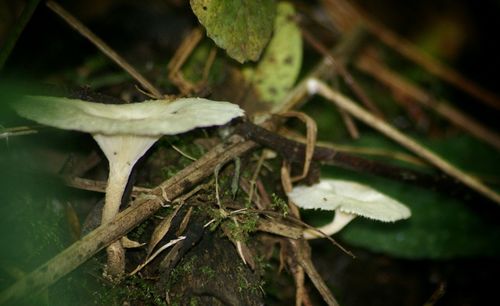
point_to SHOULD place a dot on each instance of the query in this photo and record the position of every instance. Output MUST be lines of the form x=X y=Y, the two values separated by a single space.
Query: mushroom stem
x=117 y=181
x=340 y=220
x=122 y=152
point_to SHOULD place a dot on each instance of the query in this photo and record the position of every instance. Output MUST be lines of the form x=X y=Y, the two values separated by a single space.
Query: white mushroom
x=125 y=132
x=348 y=199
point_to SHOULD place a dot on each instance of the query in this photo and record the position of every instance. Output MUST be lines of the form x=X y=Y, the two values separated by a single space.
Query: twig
x=85 y=248
x=180 y=57
x=410 y=51
x=349 y=43
x=371 y=151
x=101 y=45
x=98 y=186
x=342 y=71
x=16 y=131
x=21 y=23
x=392 y=80
x=303 y=253
x=347 y=15
x=251 y=188
x=371 y=120
x=295 y=152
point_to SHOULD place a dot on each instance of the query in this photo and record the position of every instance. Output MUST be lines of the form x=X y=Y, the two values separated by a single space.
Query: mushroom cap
x=349 y=197
x=148 y=118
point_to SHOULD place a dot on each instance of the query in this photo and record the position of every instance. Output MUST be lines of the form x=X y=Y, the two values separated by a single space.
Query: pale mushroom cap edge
x=155 y=117
x=349 y=197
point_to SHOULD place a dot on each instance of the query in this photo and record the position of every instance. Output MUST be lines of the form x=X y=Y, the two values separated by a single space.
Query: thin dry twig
x=16 y=131
x=444 y=108
x=371 y=151
x=297 y=269
x=410 y=51
x=303 y=251
x=342 y=71
x=298 y=95
x=316 y=86
x=180 y=57
x=302 y=254
x=253 y=180
x=101 y=45
x=99 y=186
x=347 y=15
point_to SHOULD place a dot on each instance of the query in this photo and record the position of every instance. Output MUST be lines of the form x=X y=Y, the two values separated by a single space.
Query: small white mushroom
x=125 y=132
x=348 y=200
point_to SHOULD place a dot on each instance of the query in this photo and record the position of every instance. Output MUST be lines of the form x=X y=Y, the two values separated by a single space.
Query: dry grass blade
x=312 y=131
x=161 y=230
x=410 y=51
x=286 y=183
x=184 y=222
x=150 y=258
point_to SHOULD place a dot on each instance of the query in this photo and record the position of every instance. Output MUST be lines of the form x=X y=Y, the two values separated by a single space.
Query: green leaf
x=241 y=27
x=280 y=65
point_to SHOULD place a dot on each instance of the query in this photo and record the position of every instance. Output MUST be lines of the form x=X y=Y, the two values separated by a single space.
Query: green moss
x=135 y=290
x=185 y=267
x=193 y=301
x=279 y=204
x=240 y=230
x=208 y=272
x=244 y=284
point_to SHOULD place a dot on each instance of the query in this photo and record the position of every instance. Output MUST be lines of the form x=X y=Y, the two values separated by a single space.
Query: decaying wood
x=212 y=274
